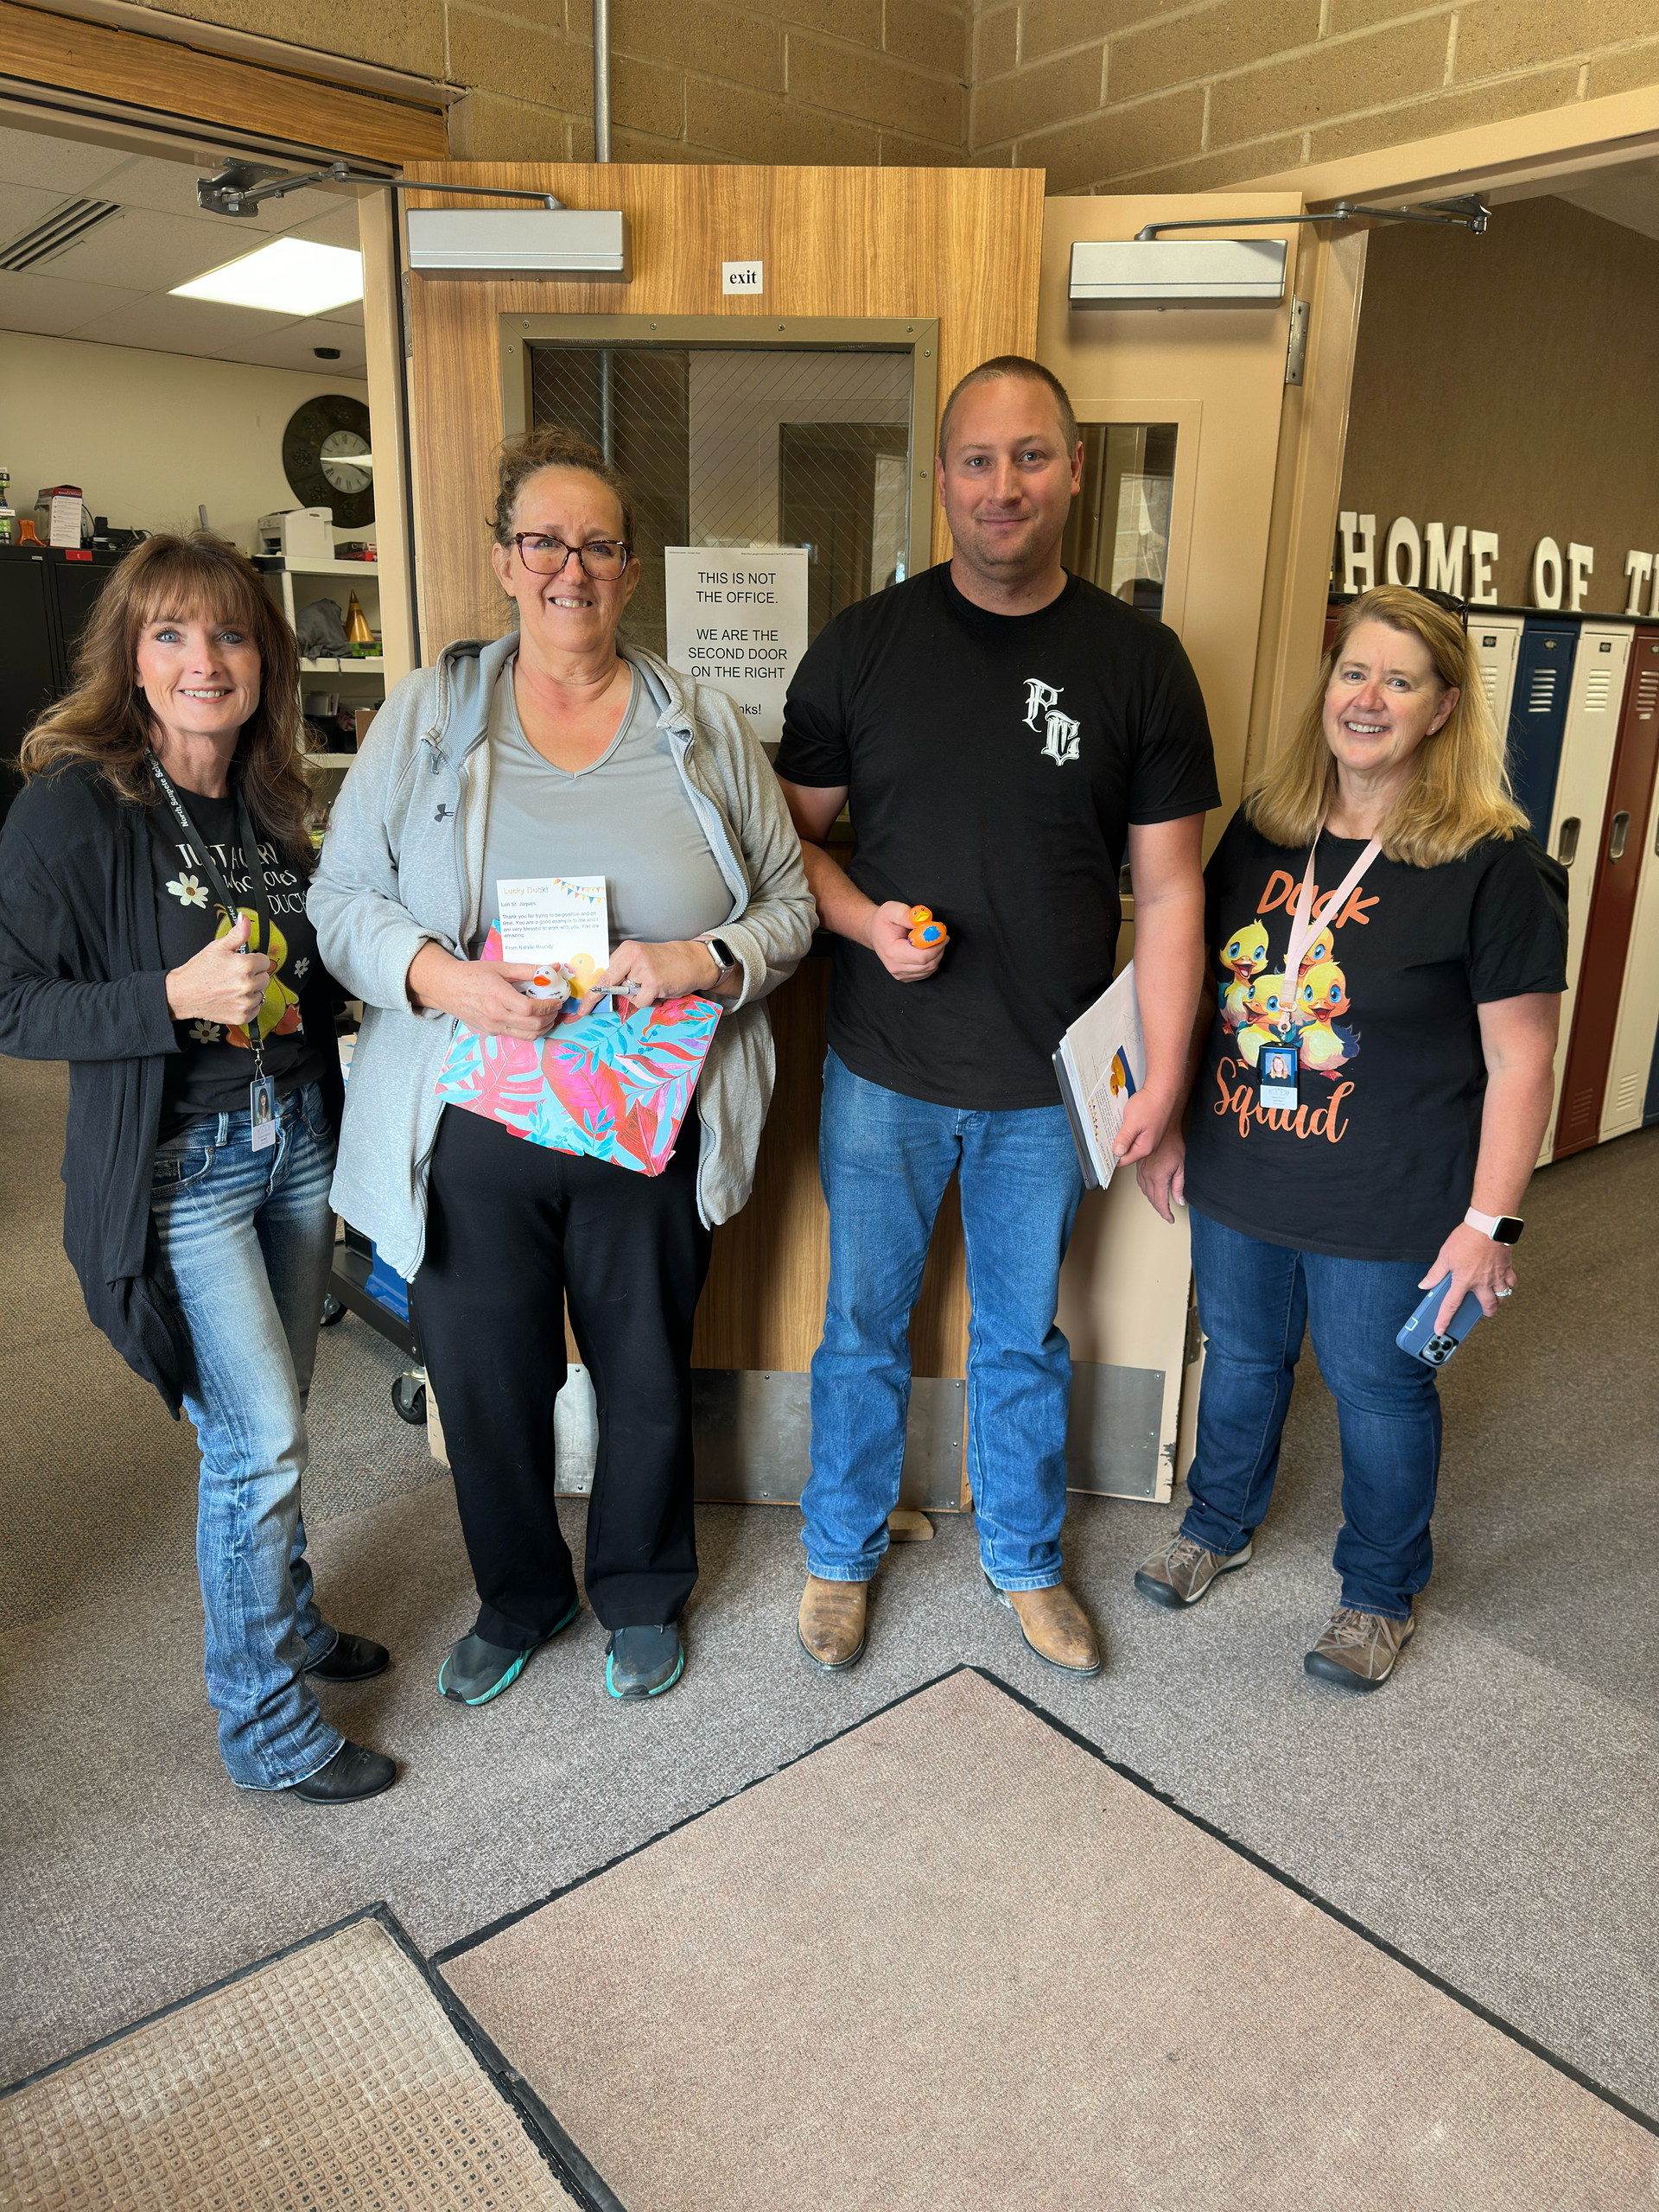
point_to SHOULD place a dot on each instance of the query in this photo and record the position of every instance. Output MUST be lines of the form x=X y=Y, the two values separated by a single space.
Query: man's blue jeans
x=246 y=1239
x=1254 y=1302
x=884 y=1161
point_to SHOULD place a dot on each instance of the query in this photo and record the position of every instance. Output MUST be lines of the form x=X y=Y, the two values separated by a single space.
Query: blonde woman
x=1366 y=1117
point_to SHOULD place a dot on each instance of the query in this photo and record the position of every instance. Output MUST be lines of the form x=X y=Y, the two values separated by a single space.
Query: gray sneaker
x=1181 y=1572
x=1358 y=1650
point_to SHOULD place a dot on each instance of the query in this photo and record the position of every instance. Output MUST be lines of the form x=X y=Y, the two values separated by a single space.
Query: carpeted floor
x=954 y=1958
x=330 y=2078
x=1494 y=1812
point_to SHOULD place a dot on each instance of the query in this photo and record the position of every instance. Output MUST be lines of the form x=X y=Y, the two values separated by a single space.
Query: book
x=1101 y=1063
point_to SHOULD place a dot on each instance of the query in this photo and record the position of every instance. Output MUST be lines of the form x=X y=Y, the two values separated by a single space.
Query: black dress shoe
x=353 y=1659
x=351 y=1774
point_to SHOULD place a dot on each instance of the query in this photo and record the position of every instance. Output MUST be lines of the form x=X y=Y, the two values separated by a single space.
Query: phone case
x=1418 y=1336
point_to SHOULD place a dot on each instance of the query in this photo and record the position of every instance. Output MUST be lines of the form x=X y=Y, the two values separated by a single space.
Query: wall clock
x=328 y=458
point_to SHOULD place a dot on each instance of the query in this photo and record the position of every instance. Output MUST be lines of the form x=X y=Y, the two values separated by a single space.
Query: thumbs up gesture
x=224 y=982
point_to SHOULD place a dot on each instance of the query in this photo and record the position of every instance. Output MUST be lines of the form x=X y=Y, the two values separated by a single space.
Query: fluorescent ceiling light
x=288 y=277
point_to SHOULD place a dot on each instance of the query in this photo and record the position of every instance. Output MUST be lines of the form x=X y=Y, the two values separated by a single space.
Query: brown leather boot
x=1056 y=1628
x=831 y=1623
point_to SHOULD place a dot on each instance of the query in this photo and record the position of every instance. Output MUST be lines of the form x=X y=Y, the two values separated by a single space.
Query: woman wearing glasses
x=1372 y=1082
x=555 y=751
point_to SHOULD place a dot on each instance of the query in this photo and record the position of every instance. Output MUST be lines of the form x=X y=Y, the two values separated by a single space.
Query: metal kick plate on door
x=753 y=1431
x=1111 y=1438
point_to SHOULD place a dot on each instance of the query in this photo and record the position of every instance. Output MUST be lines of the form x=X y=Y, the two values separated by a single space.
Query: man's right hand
x=888 y=939
x=1162 y=1173
x=224 y=983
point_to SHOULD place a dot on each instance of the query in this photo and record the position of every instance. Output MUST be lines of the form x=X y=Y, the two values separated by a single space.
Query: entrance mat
x=338 y=2076
x=956 y=1958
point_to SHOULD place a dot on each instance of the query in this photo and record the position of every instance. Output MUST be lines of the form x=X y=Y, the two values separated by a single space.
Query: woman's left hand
x=654 y=972
x=1476 y=1263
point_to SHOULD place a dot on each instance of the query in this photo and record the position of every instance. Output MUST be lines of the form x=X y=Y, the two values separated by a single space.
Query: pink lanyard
x=1302 y=927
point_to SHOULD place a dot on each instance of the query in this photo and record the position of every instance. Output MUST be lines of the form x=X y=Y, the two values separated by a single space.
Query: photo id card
x=1275 y=1077
x=262 y=1111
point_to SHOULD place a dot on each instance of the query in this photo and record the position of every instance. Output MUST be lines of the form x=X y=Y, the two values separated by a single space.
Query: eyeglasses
x=604 y=559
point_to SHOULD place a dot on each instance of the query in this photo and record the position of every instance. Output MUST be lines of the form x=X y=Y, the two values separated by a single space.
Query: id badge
x=262 y=1111
x=1276 y=1079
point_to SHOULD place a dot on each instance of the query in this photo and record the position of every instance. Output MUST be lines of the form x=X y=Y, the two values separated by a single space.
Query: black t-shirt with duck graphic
x=211 y=1070
x=1378 y=1161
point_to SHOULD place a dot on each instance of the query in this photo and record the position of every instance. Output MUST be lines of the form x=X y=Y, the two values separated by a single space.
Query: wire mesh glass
x=759 y=447
x=1118 y=535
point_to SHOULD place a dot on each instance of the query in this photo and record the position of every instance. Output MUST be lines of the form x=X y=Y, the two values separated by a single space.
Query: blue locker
x=1651 y=1110
x=1538 y=715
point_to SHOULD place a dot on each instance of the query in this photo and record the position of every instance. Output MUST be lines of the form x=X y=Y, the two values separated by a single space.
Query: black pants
x=512 y=1229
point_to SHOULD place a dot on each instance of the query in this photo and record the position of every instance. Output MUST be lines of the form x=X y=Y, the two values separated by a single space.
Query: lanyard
x=232 y=906
x=1302 y=927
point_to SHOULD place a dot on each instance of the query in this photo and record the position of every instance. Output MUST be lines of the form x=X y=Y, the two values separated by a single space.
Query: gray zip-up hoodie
x=404 y=863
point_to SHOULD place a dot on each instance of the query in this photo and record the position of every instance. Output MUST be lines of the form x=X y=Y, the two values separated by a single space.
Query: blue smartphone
x=1418 y=1336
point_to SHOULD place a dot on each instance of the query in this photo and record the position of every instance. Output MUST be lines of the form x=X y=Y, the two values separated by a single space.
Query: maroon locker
x=1612 y=902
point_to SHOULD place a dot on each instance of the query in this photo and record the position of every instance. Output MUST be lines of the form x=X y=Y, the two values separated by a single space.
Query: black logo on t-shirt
x=1059 y=731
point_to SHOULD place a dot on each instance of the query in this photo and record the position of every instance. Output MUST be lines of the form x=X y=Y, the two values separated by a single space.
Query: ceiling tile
x=1631 y=200
x=338 y=227
x=21 y=206
x=169 y=325
x=350 y=312
x=53 y=308
x=151 y=250
x=56 y=165
x=293 y=349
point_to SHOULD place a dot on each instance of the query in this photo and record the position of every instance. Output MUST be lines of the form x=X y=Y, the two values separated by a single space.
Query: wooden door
x=1595 y=694
x=1619 y=864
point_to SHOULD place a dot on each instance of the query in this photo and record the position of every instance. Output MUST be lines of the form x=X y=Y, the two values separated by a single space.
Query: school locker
x=1538 y=714
x=1617 y=862
x=1595 y=694
x=1495 y=641
x=1635 y=1054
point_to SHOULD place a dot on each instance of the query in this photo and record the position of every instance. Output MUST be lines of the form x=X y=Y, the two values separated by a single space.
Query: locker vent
x=1541 y=697
x=1489 y=677
x=1647 y=694
x=64 y=228
x=1597 y=691
x=1627 y=1097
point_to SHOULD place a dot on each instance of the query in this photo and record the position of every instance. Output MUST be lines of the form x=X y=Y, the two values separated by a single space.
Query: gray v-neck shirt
x=626 y=816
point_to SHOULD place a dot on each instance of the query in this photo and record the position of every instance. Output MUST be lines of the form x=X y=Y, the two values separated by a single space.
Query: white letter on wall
x=1402 y=535
x=1483 y=551
x=1546 y=573
x=1580 y=562
x=1359 y=534
x=1445 y=562
x=1638 y=567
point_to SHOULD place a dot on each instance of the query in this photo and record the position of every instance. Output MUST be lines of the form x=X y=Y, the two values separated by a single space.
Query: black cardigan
x=82 y=979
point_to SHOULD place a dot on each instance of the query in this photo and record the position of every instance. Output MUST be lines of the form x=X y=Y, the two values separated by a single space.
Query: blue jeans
x=884 y=1161
x=246 y=1239
x=1254 y=1300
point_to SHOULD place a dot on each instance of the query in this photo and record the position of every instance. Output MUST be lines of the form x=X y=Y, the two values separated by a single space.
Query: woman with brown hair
x=1369 y=1105
x=153 y=933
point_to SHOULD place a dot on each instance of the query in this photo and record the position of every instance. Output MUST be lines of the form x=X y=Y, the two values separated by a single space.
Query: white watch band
x=1485 y=1223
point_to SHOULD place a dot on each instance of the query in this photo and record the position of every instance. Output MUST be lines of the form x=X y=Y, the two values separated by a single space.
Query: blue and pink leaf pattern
x=614 y=1087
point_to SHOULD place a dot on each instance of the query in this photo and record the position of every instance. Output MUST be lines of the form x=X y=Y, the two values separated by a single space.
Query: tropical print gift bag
x=613 y=1086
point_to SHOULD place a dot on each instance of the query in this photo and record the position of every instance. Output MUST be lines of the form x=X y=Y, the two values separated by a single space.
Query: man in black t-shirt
x=1002 y=733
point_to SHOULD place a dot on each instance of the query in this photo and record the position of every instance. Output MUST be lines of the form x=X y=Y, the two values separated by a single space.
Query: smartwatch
x=728 y=959
x=1501 y=1228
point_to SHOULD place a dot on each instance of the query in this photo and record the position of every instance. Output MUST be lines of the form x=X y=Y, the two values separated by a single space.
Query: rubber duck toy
x=1323 y=948
x=925 y=931
x=1243 y=956
x=1272 y=1010
x=1321 y=996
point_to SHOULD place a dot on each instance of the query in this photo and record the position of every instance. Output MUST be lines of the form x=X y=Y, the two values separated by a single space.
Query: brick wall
x=835 y=81
x=1184 y=94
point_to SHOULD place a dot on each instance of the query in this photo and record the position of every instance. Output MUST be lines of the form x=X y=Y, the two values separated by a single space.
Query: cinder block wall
x=1186 y=94
x=1103 y=94
x=835 y=81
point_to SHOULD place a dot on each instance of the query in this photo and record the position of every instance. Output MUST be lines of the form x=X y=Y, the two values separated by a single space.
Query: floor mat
x=331 y=2078
x=954 y=1957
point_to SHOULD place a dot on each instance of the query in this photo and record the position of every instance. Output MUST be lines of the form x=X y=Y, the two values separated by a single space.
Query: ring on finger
x=1510 y=1292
